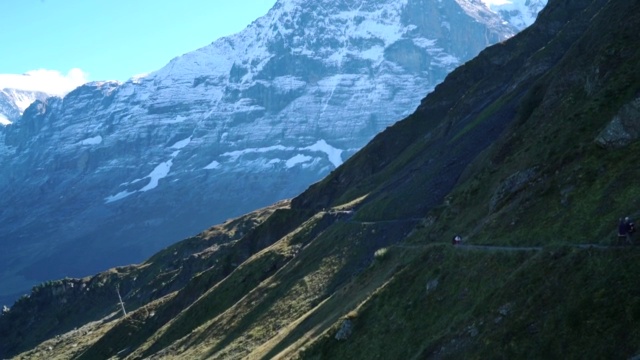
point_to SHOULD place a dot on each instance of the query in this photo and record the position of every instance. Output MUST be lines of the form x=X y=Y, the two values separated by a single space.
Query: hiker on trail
x=625 y=229
x=456 y=240
x=631 y=228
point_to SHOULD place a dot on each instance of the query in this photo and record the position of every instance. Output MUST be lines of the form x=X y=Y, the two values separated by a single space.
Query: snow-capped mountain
x=519 y=13
x=13 y=102
x=113 y=172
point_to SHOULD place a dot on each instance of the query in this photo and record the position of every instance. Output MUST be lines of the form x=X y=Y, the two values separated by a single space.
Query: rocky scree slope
x=92 y=180
x=520 y=146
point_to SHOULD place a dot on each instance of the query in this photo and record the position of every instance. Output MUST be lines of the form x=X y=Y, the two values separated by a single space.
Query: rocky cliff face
x=113 y=172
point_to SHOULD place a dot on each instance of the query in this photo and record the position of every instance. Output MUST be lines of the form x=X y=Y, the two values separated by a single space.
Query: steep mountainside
x=527 y=151
x=93 y=180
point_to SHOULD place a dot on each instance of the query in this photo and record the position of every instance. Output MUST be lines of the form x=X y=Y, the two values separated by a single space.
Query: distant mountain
x=519 y=13
x=13 y=103
x=527 y=152
x=114 y=172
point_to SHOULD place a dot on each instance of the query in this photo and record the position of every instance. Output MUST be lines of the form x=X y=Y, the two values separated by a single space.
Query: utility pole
x=120 y=298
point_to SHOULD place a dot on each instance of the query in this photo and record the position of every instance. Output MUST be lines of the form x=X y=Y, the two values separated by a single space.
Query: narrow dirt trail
x=519 y=248
x=350 y=214
x=499 y=248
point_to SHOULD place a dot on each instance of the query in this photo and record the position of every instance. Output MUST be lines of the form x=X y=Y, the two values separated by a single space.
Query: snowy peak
x=336 y=36
x=14 y=102
x=519 y=13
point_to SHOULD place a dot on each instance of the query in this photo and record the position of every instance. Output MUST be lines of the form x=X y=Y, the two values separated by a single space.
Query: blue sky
x=74 y=41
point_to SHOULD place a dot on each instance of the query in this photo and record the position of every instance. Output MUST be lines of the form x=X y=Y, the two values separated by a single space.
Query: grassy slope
x=56 y=308
x=580 y=189
x=560 y=302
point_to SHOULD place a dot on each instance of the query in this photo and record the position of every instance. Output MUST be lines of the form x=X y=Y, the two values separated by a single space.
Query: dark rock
x=473 y=331
x=432 y=285
x=623 y=129
x=346 y=329
x=565 y=193
x=505 y=309
x=512 y=185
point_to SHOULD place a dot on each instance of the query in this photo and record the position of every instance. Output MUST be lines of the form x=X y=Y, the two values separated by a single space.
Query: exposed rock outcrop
x=346 y=329
x=511 y=185
x=623 y=129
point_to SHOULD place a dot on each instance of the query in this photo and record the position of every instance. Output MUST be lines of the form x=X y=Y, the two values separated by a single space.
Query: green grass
x=406 y=318
x=510 y=305
x=482 y=116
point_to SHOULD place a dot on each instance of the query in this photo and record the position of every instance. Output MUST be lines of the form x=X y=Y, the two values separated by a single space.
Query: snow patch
x=119 y=196
x=446 y=61
x=181 y=144
x=334 y=154
x=161 y=171
x=23 y=100
x=375 y=54
x=137 y=79
x=424 y=43
x=96 y=140
x=4 y=121
x=212 y=166
x=298 y=159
